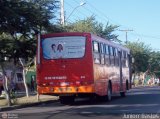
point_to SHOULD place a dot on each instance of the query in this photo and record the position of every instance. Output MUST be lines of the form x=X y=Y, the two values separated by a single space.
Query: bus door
x=120 y=69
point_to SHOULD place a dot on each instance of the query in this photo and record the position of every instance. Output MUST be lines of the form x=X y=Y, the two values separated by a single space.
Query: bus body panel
x=104 y=73
x=72 y=75
x=81 y=75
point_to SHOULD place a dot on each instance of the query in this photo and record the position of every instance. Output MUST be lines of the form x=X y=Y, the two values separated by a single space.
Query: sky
x=141 y=16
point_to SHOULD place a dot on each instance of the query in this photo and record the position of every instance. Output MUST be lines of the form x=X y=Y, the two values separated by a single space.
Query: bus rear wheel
x=66 y=99
x=109 y=93
x=123 y=94
x=127 y=85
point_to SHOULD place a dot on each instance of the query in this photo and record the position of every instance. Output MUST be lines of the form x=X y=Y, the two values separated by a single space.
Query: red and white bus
x=81 y=64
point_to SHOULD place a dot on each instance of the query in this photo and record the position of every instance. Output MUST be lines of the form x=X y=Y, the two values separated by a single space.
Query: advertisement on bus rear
x=63 y=47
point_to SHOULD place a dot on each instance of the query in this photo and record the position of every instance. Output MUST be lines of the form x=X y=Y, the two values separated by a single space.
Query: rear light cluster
x=76 y=83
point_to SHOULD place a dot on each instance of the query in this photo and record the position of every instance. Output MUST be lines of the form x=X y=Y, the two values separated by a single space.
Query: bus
x=71 y=65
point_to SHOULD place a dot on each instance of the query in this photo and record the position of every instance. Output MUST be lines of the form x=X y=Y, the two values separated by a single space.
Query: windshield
x=63 y=47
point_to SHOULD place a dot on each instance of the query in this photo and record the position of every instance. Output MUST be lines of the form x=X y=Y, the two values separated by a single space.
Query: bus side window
x=102 y=52
x=95 y=47
x=127 y=60
x=116 y=57
x=109 y=48
x=124 y=58
x=107 y=57
x=96 y=52
x=111 y=55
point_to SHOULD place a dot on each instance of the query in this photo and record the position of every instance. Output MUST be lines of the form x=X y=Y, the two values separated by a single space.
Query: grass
x=22 y=100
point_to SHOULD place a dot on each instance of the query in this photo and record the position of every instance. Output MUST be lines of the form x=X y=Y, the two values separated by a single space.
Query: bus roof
x=111 y=43
x=93 y=37
x=65 y=34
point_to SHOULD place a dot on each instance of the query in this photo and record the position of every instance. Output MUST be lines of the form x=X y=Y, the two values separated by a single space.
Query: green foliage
x=154 y=62
x=91 y=25
x=19 y=16
x=20 y=21
x=55 y=29
x=141 y=54
x=145 y=58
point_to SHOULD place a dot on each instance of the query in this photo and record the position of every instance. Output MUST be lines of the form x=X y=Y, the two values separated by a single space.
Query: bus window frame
x=124 y=59
x=107 y=47
x=107 y=55
x=112 y=62
x=116 y=57
x=96 y=53
x=102 y=53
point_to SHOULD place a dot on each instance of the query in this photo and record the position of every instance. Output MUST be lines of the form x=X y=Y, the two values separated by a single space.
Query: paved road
x=142 y=102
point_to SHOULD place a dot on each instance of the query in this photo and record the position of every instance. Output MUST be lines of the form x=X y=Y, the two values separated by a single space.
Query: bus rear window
x=64 y=47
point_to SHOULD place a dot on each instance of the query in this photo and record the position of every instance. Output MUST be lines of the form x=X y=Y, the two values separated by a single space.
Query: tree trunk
x=5 y=86
x=7 y=91
x=24 y=77
x=25 y=82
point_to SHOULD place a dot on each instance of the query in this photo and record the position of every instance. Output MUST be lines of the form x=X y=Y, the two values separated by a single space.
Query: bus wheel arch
x=123 y=93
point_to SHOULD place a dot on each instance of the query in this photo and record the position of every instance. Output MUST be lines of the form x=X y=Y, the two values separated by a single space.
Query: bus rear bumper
x=65 y=90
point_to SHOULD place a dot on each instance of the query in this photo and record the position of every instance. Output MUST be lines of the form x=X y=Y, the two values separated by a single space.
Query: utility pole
x=62 y=13
x=126 y=33
x=62 y=17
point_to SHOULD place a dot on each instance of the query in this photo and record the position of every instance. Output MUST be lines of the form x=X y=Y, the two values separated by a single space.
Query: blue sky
x=141 y=16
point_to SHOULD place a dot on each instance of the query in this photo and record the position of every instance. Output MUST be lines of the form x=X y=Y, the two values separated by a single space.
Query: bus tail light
x=51 y=89
x=86 y=83
x=78 y=83
x=45 y=84
x=64 y=84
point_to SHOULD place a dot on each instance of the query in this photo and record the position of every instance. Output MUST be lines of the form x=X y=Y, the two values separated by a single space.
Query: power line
x=147 y=36
x=98 y=13
x=91 y=11
x=86 y=8
x=126 y=30
x=77 y=10
x=142 y=35
x=108 y=19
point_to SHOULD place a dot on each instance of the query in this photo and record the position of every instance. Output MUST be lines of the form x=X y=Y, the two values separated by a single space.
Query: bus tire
x=127 y=85
x=66 y=99
x=123 y=94
x=109 y=93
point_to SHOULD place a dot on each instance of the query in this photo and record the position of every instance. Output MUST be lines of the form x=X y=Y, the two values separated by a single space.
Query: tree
x=154 y=62
x=4 y=52
x=141 y=53
x=91 y=25
x=20 y=21
x=25 y=17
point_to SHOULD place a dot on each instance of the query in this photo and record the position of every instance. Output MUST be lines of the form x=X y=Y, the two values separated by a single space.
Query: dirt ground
x=22 y=99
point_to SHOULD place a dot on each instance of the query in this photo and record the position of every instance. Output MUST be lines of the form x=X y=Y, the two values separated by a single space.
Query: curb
x=9 y=108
